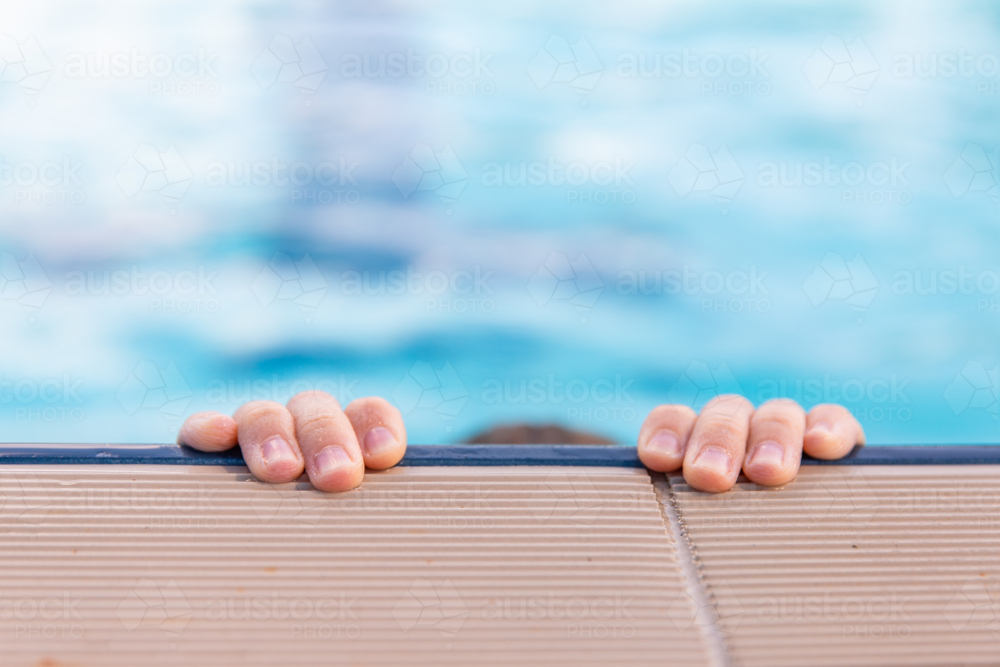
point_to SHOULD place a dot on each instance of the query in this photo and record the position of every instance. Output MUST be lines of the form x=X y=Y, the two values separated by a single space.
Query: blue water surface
x=499 y=213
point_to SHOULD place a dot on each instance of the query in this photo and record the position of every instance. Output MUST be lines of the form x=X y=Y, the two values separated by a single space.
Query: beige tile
x=106 y=565
x=854 y=565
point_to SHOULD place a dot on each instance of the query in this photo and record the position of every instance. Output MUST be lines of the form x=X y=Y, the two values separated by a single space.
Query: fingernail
x=331 y=459
x=713 y=457
x=378 y=441
x=664 y=442
x=277 y=449
x=768 y=454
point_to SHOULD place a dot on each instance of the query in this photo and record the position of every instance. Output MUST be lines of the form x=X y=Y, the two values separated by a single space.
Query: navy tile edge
x=474 y=455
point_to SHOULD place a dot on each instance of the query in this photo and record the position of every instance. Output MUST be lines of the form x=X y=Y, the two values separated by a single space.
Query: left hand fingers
x=380 y=431
x=774 y=448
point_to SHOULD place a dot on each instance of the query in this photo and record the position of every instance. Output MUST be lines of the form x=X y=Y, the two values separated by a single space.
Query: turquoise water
x=499 y=214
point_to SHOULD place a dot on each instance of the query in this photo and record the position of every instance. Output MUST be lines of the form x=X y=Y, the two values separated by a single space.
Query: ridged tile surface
x=157 y=565
x=863 y=565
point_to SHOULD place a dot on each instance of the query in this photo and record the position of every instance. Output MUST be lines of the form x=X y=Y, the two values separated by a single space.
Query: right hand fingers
x=664 y=435
x=710 y=447
x=718 y=443
x=326 y=436
x=831 y=432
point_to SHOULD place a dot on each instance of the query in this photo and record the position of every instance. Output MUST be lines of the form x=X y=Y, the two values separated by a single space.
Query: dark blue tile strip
x=473 y=455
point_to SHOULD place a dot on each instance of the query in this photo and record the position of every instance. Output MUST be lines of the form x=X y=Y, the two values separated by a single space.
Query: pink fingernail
x=332 y=459
x=378 y=441
x=277 y=449
x=768 y=455
x=715 y=458
x=664 y=442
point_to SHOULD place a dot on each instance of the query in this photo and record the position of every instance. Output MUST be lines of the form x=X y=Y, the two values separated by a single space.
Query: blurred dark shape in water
x=536 y=434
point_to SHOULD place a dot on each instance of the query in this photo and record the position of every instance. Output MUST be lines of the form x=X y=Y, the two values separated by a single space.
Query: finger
x=379 y=428
x=208 y=431
x=774 y=450
x=664 y=436
x=333 y=458
x=267 y=437
x=718 y=444
x=831 y=432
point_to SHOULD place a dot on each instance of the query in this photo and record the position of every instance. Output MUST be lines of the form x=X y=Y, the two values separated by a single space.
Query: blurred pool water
x=514 y=213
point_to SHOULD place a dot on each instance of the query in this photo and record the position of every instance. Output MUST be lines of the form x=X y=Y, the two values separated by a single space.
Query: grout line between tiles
x=706 y=617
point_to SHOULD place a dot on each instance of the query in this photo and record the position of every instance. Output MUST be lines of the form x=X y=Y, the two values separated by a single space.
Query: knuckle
x=830 y=411
x=673 y=413
x=256 y=410
x=310 y=423
x=312 y=396
x=368 y=403
x=372 y=408
x=729 y=402
x=783 y=419
x=780 y=404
